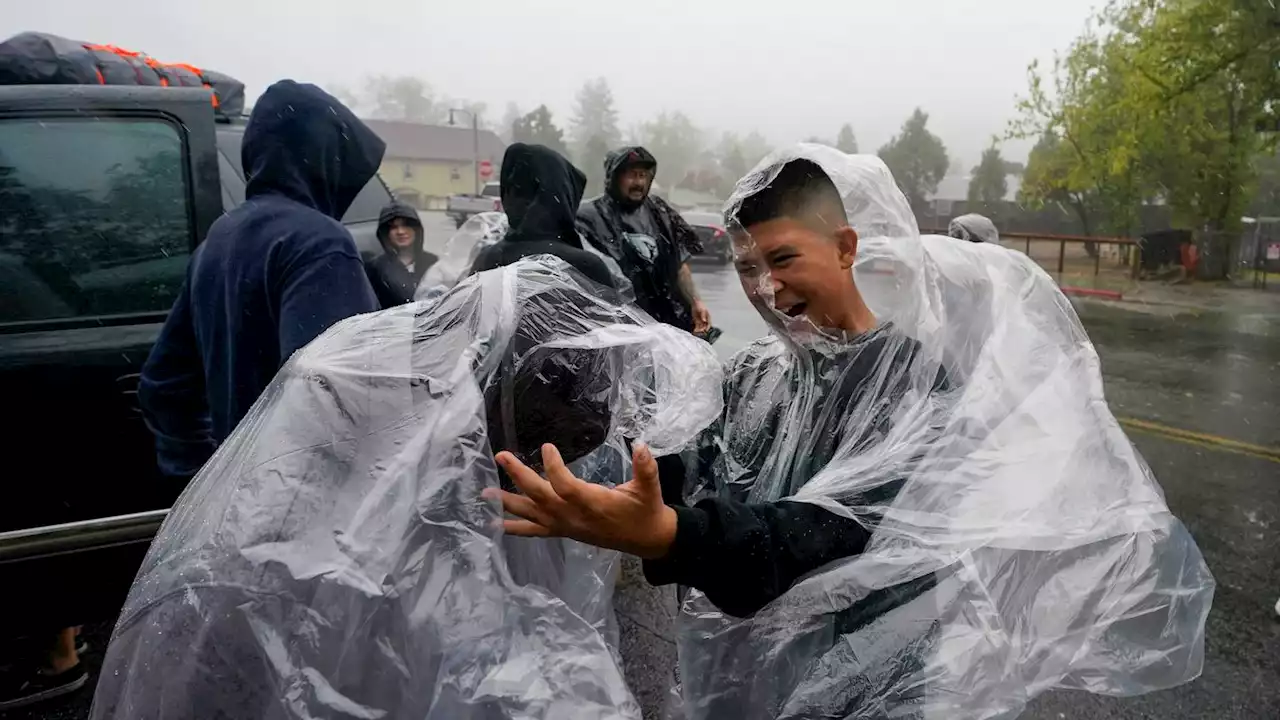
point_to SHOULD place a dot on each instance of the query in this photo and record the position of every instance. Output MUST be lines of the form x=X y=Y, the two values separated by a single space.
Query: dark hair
x=801 y=190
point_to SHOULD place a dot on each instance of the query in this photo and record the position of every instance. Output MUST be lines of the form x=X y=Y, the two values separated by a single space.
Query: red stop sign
x=486 y=169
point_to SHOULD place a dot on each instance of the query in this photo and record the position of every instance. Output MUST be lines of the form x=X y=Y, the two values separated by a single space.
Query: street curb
x=1091 y=292
x=1117 y=296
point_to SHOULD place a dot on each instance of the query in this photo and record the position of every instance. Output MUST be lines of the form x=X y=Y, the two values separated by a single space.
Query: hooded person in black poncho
x=648 y=239
x=395 y=273
x=540 y=194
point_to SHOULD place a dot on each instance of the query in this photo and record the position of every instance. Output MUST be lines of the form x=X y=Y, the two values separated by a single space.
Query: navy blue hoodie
x=273 y=273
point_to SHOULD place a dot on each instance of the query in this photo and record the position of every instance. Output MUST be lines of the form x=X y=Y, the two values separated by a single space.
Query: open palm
x=631 y=517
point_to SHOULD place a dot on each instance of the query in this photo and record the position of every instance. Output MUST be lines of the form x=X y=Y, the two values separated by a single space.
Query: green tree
x=594 y=118
x=538 y=128
x=1207 y=72
x=846 y=142
x=988 y=185
x=676 y=142
x=346 y=96
x=1047 y=181
x=1164 y=100
x=1266 y=197
x=733 y=162
x=591 y=161
x=917 y=158
x=509 y=119
x=1100 y=135
x=402 y=98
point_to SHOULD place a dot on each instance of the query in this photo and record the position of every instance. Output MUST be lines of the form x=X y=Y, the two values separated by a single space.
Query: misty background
x=789 y=71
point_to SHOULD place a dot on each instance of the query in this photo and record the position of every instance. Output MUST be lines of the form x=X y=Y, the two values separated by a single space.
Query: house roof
x=415 y=141
x=956 y=188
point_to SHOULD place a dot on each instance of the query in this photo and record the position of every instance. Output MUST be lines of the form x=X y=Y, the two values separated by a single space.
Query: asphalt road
x=1198 y=394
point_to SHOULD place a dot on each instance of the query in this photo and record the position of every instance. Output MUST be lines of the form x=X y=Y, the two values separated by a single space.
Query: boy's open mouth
x=795 y=310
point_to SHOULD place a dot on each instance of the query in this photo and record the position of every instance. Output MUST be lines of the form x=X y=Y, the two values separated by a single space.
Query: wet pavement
x=1199 y=393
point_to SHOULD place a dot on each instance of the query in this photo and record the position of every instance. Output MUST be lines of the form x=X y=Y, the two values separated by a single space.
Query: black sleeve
x=594 y=268
x=488 y=259
x=681 y=233
x=743 y=556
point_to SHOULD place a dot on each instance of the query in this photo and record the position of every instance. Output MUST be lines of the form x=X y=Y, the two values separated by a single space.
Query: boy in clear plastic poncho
x=335 y=558
x=920 y=505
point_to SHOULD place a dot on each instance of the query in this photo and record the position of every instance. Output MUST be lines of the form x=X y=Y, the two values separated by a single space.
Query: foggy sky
x=789 y=69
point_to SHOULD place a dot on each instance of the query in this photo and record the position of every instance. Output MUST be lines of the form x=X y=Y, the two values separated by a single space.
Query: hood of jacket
x=620 y=160
x=541 y=191
x=397 y=210
x=974 y=228
x=303 y=144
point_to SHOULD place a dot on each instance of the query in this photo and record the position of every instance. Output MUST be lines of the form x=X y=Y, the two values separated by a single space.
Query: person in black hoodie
x=648 y=239
x=272 y=274
x=541 y=191
x=395 y=273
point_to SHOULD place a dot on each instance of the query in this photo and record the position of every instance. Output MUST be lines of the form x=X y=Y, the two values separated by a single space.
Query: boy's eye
x=783 y=260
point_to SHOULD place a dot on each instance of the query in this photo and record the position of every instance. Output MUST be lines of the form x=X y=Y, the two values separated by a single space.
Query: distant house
x=955 y=188
x=952 y=199
x=425 y=164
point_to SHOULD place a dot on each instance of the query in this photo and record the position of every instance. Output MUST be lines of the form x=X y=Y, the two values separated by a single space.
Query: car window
x=491 y=190
x=372 y=198
x=94 y=217
x=231 y=181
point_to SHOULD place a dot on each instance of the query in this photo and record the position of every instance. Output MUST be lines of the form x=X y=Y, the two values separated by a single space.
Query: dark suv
x=716 y=243
x=104 y=193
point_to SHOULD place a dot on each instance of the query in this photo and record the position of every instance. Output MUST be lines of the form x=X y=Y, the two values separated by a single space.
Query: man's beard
x=627 y=202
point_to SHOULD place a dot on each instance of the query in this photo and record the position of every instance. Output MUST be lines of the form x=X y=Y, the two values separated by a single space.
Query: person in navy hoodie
x=272 y=274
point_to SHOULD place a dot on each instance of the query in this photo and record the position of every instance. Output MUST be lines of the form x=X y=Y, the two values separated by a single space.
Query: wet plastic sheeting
x=974 y=228
x=335 y=559
x=477 y=233
x=1021 y=541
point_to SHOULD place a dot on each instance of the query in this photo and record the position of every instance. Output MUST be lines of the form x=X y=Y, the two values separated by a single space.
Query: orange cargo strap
x=154 y=64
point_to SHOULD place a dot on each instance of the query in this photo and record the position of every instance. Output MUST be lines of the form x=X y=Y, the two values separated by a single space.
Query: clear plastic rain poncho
x=1020 y=541
x=335 y=558
x=477 y=233
x=974 y=228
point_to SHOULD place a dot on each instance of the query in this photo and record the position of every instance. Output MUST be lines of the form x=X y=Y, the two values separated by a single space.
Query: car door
x=104 y=193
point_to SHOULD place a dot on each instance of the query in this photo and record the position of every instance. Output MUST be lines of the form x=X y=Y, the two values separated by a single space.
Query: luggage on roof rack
x=42 y=59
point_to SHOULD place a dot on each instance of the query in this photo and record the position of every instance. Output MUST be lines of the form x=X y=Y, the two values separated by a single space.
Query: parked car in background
x=716 y=243
x=462 y=207
x=104 y=193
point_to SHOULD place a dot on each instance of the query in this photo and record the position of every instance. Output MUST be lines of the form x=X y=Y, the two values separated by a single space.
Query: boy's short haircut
x=800 y=190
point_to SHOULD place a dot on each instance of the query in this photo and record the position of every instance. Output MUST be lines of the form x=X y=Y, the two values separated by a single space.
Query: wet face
x=634 y=183
x=401 y=234
x=799 y=272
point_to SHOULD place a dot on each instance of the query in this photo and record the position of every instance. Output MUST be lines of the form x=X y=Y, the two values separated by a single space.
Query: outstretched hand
x=631 y=517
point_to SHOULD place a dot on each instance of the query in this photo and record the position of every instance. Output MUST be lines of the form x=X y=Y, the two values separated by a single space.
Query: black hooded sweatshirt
x=272 y=274
x=392 y=282
x=611 y=221
x=541 y=191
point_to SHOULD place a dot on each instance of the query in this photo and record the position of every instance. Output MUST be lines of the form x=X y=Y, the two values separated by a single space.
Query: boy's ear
x=847 y=245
